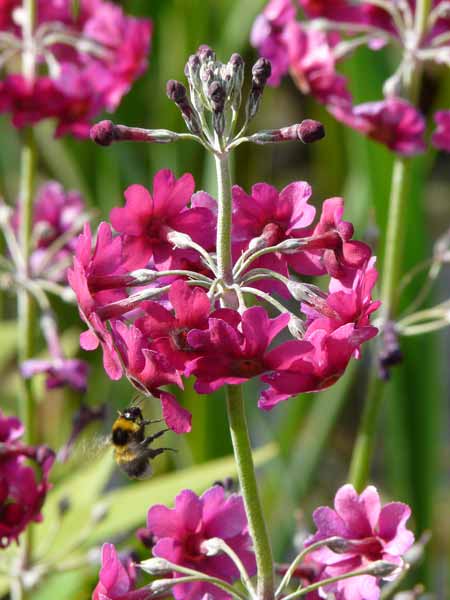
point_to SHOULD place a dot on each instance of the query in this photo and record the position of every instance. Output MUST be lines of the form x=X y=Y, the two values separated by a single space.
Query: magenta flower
x=235 y=348
x=331 y=248
x=312 y=64
x=115 y=581
x=441 y=137
x=59 y=372
x=148 y=371
x=267 y=36
x=373 y=533
x=146 y=220
x=90 y=60
x=23 y=488
x=181 y=531
x=89 y=267
x=393 y=122
x=168 y=331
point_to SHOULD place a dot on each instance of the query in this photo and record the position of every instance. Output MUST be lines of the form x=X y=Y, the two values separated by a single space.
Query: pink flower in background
x=168 y=332
x=393 y=122
x=267 y=36
x=373 y=532
x=23 y=488
x=116 y=582
x=235 y=348
x=441 y=137
x=59 y=371
x=146 y=220
x=181 y=531
x=148 y=371
x=87 y=70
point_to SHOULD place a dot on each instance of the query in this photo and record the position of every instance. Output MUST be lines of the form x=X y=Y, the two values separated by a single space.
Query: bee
x=132 y=450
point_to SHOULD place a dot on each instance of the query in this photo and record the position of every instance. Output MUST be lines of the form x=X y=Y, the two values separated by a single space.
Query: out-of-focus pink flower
x=267 y=36
x=149 y=370
x=89 y=266
x=312 y=64
x=373 y=532
x=22 y=488
x=441 y=137
x=115 y=581
x=146 y=220
x=235 y=348
x=181 y=531
x=59 y=371
x=89 y=69
x=168 y=332
x=393 y=122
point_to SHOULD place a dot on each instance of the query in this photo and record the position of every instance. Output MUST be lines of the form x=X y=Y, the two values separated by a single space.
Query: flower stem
x=393 y=254
x=247 y=479
x=224 y=260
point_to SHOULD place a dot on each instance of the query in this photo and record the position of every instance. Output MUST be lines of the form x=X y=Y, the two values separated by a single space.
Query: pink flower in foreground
x=373 y=533
x=148 y=371
x=115 y=581
x=441 y=137
x=181 y=531
x=23 y=488
x=168 y=332
x=393 y=122
x=90 y=64
x=267 y=36
x=235 y=348
x=146 y=220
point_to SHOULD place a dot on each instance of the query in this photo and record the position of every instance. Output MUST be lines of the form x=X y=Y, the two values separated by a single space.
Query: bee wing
x=92 y=448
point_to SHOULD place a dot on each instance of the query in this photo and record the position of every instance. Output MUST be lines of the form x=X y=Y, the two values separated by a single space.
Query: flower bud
x=296 y=327
x=382 y=568
x=217 y=96
x=339 y=545
x=212 y=547
x=177 y=93
x=161 y=585
x=106 y=132
x=205 y=53
x=155 y=566
x=236 y=68
x=180 y=240
x=310 y=131
x=260 y=73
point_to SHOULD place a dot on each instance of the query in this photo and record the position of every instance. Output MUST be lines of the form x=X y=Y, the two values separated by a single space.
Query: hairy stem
x=224 y=260
x=247 y=479
x=401 y=179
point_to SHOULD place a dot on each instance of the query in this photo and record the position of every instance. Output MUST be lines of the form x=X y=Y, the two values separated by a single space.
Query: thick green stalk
x=224 y=260
x=246 y=472
x=393 y=254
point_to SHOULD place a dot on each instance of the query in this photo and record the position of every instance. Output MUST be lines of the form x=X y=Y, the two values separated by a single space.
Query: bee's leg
x=151 y=421
x=153 y=452
x=151 y=438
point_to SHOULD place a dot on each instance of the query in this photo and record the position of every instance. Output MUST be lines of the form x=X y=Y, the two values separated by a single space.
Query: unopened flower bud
x=260 y=73
x=217 y=96
x=177 y=93
x=106 y=132
x=161 y=585
x=296 y=327
x=258 y=243
x=382 y=568
x=310 y=131
x=212 y=547
x=339 y=545
x=236 y=69
x=155 y=566
x=291 y=246
x=192 y=66
x=205 y=53
x=180 y=240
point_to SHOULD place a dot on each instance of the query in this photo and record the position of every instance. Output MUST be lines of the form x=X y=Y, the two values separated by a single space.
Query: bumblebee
x=132 y=450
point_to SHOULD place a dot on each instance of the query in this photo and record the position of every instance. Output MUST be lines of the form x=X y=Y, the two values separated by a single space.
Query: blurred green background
x=313 y=433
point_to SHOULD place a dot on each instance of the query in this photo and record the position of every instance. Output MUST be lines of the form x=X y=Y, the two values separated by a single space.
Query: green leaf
x=128 y=506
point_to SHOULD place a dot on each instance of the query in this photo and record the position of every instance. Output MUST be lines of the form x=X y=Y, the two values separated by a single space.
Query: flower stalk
x=401 y=178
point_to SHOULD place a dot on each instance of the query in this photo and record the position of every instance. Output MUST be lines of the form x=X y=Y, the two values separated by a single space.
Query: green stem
x=224 y=260
x=393 y=254
x=247 y=479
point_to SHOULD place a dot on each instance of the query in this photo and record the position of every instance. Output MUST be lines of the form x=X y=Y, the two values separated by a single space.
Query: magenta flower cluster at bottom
x=368 y=532
x=22 y=493
x=172 y=326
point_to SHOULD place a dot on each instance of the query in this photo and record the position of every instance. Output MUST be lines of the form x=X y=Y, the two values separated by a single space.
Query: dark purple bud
x=236 y=60
x=310 y=131
x=206 y=53
x=175 y=91
x=217 y=95
x=193 y=64
x=261 y=71
x=390 y=353
x=103 y=133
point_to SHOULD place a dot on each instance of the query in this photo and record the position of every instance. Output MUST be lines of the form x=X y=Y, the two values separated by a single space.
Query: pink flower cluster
x=144 y=300
x=310 y=51
x=367 y=532
x=90 y=57
x=22 y=494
